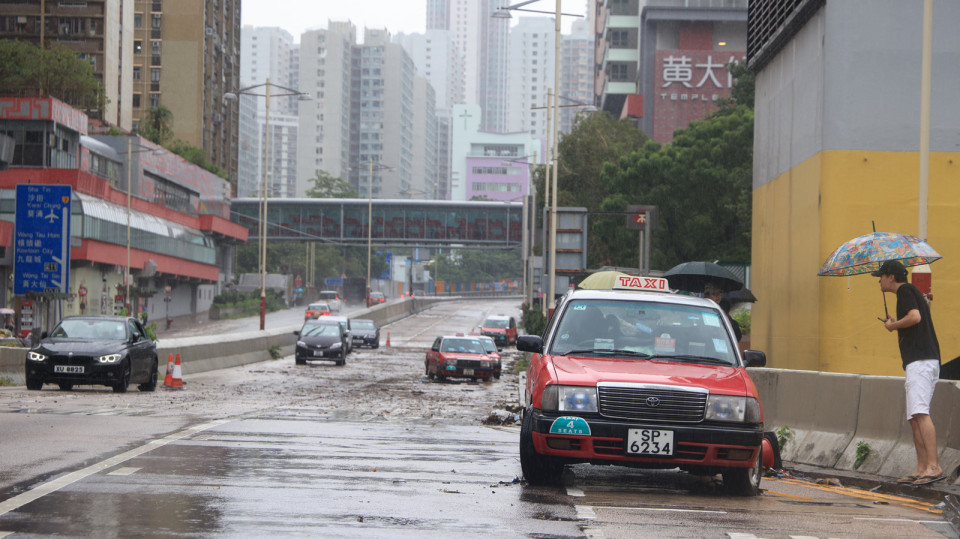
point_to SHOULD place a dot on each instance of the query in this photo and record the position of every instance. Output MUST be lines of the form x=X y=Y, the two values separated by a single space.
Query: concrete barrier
x=830 y=414
x=201 y=354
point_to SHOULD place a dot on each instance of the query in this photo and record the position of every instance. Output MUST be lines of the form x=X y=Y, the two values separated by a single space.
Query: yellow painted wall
x=803 y=321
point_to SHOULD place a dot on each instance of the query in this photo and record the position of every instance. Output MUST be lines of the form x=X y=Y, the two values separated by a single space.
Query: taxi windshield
x=467 y=346
x=643 y=330
x=500 y=323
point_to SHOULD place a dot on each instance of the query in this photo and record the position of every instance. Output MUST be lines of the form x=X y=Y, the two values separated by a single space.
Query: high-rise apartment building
x=531 y=61
x=323 y=142
x=94 y=30
x=576 y=74
x=268 y=54
x=190 y=49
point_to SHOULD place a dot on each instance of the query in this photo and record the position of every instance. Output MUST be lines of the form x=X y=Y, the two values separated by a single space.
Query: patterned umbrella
x=864 y=254
x=601 y=280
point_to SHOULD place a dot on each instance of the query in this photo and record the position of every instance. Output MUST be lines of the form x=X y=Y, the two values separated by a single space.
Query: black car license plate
x=68 y=369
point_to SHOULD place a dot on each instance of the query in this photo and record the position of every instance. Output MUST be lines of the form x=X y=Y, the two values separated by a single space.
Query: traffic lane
x=446 y=318
x=627 y=502
x=47 y=435
x=291 y=473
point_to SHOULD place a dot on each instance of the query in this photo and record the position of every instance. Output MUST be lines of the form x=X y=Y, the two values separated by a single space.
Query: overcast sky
x=407 y=16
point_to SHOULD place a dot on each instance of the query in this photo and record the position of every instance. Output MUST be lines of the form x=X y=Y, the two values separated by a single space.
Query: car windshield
x=363 y=324
x=91 y=330
x=465 y=346
x=489 y=345
x=495 y=323
x=643 y=330
x=320 y=330
x=318 y=307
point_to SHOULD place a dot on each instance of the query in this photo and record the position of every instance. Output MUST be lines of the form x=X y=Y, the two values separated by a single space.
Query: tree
x=25 y=69
x=327 y=186
x=158 y=125
x=702 y=185
x=196 y=156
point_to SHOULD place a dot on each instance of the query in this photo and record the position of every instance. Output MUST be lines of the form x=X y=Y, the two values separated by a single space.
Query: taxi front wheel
x=744 y=481
x=537 y=469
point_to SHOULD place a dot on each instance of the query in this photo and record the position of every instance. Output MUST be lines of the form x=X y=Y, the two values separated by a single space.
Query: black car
x=94 y=350
x=364 y=333
x=321 y=340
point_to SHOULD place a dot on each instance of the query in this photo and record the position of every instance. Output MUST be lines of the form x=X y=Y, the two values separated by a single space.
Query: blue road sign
x=41 y=249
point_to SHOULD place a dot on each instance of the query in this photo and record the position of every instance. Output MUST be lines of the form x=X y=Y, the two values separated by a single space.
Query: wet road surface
x=371 y=449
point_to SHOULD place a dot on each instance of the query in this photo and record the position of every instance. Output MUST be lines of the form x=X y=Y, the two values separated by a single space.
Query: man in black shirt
x=920 y=353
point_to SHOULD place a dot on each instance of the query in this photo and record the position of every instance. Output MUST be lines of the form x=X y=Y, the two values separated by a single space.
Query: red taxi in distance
x=316 y=310
x=459 y=356
x=491 y=348
x=502 y=328
x=637 y=377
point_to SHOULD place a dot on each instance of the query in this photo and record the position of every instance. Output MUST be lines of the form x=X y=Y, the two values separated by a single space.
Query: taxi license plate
x=650 y=442
x=70 y=369
x=468 y=372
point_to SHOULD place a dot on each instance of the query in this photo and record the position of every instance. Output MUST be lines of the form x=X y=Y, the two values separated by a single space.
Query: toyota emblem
x=653 y=402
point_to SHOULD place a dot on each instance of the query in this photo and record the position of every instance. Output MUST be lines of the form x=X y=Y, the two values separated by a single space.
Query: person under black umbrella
x=715 y=293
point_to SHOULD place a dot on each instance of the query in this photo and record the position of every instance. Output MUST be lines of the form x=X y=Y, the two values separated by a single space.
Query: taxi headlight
x=450 y=361
x=569 y=398
x=733 y=409
x=36 y=356
x=109 y=358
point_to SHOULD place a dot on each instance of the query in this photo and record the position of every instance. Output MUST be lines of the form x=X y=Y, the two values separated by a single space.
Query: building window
x=136 y=72
x=138 y=20
x=618 y=72
x=154 y=75
x=154 y=100
x=155 y=48
x=155 y=20
x=136 y=101
x=619 y=38
x=137 y=47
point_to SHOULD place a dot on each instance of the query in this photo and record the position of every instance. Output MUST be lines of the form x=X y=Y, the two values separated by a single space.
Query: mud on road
x=381 y=384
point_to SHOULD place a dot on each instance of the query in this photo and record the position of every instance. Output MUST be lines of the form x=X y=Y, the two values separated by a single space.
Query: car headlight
x=733 y=409
x=301 y=344
x=110 y=358
x=569 y=398
x=36 y=356
x=450 y=362
x=336 y=345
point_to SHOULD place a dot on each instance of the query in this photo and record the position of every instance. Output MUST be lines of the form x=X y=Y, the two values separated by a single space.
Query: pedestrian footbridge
x=424 y=223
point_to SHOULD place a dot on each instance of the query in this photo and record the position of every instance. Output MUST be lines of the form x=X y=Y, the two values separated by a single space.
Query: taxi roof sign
x=641 y=284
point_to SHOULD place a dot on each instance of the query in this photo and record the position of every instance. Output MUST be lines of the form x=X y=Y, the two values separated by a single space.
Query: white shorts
x=921 y=379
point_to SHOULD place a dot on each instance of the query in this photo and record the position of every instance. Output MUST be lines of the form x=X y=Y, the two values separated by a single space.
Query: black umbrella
x=744 y=295
x=693 y=276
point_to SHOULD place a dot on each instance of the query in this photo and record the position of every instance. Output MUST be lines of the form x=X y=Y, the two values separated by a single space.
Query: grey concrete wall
x=829 y=414
x=206 y=353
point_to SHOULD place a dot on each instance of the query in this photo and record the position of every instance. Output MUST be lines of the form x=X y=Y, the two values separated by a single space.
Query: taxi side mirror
x=754 y=358
x=530 y=343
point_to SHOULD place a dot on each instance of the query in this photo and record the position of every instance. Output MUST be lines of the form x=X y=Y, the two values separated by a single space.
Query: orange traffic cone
x=169 y=378
x=176 y=381
x=388 y=338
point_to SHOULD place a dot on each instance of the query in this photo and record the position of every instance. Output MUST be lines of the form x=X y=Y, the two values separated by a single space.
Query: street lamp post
x=370 y=165
x=126 y=273
x=286 y=92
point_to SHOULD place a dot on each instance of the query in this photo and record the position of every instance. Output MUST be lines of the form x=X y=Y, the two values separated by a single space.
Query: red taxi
x=502 y=328
x=641 y=377
x=459 y=356
x=316 y=310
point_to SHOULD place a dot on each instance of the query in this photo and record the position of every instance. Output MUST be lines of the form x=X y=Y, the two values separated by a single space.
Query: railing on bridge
x=395 y=222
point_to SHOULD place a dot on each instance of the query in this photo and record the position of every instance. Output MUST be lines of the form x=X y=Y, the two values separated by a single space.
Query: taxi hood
x=719 y=379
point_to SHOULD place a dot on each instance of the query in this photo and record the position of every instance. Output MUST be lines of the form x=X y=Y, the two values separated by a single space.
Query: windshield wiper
x=694 y=359
x=607 y=352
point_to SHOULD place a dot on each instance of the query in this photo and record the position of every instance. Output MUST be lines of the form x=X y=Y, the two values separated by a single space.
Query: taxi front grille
x=470 y=363
x=646 y=403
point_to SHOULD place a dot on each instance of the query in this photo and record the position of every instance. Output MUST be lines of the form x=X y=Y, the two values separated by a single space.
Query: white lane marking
x=735 y=535
x=664 y=509
x=585 y=512
x=52 y=486
x=124 y=471
x=575 y=492
x=4 y=534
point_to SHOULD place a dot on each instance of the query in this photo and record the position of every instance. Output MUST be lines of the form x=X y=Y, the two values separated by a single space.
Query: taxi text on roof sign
x=645 y=284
